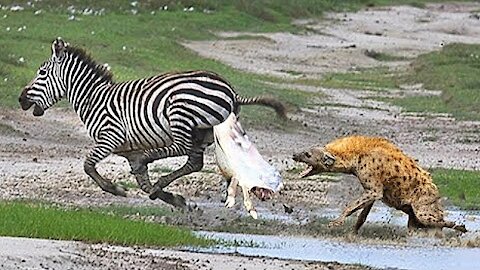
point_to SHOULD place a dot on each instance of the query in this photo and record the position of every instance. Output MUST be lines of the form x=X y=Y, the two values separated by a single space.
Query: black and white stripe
x=143 y=120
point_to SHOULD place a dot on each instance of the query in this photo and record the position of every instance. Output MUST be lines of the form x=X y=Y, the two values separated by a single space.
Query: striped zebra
x=143 y=120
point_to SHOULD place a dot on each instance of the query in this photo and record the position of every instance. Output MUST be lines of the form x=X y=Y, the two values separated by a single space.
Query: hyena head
x=317 y=159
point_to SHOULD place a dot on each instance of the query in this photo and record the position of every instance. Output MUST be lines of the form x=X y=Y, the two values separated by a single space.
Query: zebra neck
x=87 y=94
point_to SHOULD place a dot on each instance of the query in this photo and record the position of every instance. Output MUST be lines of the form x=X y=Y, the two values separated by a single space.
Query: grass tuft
x=453 y=70
x=461 y=187
x=43 y=221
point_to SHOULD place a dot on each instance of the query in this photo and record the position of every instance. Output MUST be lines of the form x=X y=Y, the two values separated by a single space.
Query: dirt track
x=42 y=158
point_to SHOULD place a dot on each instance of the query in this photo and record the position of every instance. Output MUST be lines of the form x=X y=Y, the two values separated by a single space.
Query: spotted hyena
x=386 y=174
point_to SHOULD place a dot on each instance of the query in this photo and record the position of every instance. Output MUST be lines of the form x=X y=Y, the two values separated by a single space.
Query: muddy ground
x=42 y=158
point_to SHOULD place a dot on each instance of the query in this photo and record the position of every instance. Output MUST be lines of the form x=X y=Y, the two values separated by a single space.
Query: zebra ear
x=58 y=48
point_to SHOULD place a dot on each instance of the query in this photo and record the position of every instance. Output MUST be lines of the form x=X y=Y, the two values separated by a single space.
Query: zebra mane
x=99 y=69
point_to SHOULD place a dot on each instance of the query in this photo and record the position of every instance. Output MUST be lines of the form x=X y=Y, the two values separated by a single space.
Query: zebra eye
x=42 y=72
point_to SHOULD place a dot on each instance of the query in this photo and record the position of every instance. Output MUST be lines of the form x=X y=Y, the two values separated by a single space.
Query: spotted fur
x=386 y=174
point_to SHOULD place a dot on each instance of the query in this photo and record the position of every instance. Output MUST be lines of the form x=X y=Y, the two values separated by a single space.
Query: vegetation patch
x=460 y=186
x=6 y=129
x=45 y=221
x=161 y=169
x=143 y=38
x=453 y=70
x=375 y=79
x=127 y=184
x=133 y=211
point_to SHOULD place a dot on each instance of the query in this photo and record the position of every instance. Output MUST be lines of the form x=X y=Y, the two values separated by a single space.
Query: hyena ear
x=328 y=159
x=58 y=48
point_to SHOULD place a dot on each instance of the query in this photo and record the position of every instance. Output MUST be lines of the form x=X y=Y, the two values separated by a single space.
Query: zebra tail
x=279 y=107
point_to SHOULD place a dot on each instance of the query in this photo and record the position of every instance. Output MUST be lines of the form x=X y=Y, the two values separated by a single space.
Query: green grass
x=127 y=184
x=43 y=221
x=460 y=186
x=149 y=42
x=453 y=70
x=127 y=210
x=161 y=169
x=363 y=79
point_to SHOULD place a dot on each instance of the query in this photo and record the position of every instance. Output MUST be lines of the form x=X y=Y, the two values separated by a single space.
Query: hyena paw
x=336 y=222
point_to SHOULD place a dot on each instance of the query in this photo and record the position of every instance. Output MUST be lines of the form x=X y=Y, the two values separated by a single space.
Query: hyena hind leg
x=432 y=217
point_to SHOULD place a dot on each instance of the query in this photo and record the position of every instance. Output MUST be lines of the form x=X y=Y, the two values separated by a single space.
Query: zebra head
x=46 y=88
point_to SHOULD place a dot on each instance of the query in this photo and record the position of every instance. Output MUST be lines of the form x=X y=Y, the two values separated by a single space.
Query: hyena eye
x=42 y=72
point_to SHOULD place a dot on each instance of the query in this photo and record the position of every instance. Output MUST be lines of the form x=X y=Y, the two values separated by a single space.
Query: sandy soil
x=339 y=42
x=42 y=158
x=25 y=253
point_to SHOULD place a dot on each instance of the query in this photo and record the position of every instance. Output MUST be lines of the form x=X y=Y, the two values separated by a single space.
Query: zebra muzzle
x=25 y=103
x=37 y=110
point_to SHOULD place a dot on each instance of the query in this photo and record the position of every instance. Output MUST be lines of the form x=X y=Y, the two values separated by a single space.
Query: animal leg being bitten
x=248 y=203
x=231 y=192
x=367 y=198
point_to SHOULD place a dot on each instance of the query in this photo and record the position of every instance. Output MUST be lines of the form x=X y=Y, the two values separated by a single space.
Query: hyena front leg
x=367 y=198
x=363 y=216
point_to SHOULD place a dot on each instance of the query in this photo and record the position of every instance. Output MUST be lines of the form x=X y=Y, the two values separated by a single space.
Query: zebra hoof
x=193 y=208
x=170 y=198
x=117 y=191
x=179 y=202
x=155 y=193
x=147 y=189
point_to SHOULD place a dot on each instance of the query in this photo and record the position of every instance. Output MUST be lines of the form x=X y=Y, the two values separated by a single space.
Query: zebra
x=142 y=120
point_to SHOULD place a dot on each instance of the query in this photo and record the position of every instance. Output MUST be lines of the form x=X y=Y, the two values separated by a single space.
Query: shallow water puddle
x=387 y=215
x=382 y=256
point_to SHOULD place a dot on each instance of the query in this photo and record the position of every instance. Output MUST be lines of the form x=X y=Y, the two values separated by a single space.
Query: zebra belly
x=147 y=139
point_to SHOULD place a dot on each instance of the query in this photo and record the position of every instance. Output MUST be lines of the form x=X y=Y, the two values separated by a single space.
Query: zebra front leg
x=98 y=153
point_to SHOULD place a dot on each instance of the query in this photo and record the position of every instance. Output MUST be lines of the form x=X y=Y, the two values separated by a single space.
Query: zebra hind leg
x=193 y=164
x=139 y=169
x=201 y=139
